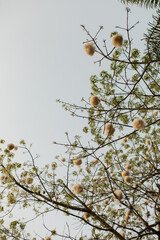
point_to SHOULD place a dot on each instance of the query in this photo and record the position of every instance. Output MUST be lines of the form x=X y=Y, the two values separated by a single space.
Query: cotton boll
x=86 y=215
x=94 y=100
x=77 y=188
x=150 y=165
x=108 y=129
x=127 y=179
x=89 y=48
x=47 y=238
x=29 y=180
x=122 y=234
x=116 y=201
x=3 y=177
x=118 y=194
x=155 y=113
x=125 y=173
x=102 y=179
x=127 y=215
x=148 y=142
x=105 y=202
x=63 y=160
x=138 y=124
x=77 y=162
x=127 y=166
x=124 y=140
x=95 y=161
x=117 y=40
x=10 y=146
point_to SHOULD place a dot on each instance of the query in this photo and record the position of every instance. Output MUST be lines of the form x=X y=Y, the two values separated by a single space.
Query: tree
x=142 y=3
x=112 y=180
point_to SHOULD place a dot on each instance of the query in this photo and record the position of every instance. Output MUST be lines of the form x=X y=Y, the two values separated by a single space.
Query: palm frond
x=152 y=38
x=143 y=3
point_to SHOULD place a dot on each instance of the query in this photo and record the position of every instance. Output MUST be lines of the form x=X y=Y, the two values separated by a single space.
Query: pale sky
x=41 y=60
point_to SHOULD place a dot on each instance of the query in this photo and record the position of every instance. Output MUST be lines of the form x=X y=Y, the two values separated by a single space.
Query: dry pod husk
x=108 y=129
x=94 y=100
x=89 y=48
x=138 y=124
x=117 y=40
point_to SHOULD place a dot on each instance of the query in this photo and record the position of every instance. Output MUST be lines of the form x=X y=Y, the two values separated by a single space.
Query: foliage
x=114 y=187
x=143 y=3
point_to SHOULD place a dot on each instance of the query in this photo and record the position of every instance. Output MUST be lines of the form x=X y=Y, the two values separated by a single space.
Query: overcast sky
x=41 y=60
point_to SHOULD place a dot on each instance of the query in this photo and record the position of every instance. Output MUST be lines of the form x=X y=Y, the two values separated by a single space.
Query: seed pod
x=125 y=173
x=127 y=179
x=77 y=188
x=127 y=216
x=122 y=234
x=117 y=40
x=108 y=129
x=95 y=161
x=148 y=142
x=3 y=177
x=63 y=160
x=138 y=124
x=10 y=146
x=29 y=180
x=89 y=48
x=155 y=113
x=127 y=166
x=150 y=165
x=94 y=100
x=105 y=202
x=124 y=140
x=118 y=194
x=86 y=215
x=47 y=238
x=102 y=179
x=77 y=162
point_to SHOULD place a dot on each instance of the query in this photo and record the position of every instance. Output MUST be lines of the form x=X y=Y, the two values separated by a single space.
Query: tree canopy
x=111 y=181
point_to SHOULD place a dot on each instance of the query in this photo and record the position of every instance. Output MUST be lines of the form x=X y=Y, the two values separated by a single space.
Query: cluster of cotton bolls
x=126 y=177
x=11 y=146
x=89 y=47
x=86 y=215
